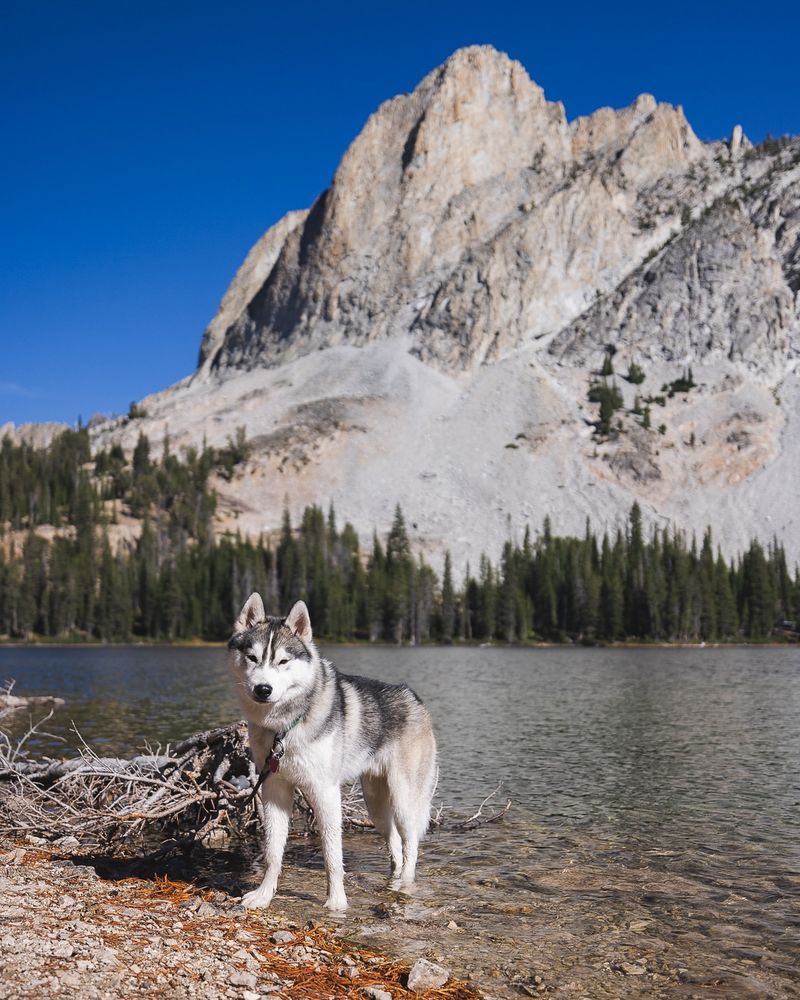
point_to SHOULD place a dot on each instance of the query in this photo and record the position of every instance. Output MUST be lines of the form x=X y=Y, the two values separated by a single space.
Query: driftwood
x=198 y=790
x=10 y=702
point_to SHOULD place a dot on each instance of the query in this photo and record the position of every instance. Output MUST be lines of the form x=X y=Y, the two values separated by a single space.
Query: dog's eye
x=282 y=661
x=252 y=658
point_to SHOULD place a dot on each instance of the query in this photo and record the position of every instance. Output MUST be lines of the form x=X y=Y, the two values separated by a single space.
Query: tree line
x=179 y=580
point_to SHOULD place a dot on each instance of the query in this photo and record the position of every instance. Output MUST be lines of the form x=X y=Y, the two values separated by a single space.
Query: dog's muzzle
x=261 y=692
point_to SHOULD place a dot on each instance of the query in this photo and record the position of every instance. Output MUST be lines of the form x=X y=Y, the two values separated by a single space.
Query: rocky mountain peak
x=472 y=177
x=437 y=328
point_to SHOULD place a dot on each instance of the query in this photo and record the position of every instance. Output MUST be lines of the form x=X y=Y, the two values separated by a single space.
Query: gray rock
x=425 y=975
x=246 y=979
x=374 y=993
x=632 y=969
x=282 y=937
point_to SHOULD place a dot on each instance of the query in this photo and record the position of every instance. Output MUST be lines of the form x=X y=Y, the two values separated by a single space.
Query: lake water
x=653 y=843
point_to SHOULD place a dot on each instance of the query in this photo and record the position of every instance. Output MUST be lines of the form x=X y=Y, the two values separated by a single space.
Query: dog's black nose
x=261 y=692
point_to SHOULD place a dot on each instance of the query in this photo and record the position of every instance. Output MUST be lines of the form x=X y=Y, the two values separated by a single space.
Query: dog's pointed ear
x=299 y=621
x=251 y=613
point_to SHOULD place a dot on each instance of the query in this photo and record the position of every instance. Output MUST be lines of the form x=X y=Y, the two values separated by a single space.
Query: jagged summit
x=468 y=215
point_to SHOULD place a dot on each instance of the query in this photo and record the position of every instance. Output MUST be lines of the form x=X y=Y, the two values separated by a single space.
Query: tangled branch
x=197 y=790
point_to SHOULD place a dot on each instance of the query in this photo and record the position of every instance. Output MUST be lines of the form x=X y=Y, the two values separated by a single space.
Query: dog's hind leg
x=410 y=840
x=379 y=806
x=404 y=824
x=411 y=783
x=327 y=805
x=277 y=797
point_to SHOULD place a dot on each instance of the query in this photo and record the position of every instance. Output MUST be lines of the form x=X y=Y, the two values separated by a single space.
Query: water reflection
x=655 y=806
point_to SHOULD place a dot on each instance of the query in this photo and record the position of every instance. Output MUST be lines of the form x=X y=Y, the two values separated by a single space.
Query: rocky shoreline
x=67 y=932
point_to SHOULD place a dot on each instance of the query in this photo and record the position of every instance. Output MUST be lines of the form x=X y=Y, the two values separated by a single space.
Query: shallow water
x=652 y=843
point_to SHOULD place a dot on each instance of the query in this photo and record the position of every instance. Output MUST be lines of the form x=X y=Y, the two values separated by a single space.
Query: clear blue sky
x=145 y=146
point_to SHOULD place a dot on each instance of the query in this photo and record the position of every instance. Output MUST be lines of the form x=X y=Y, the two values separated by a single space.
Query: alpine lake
x=652 y=845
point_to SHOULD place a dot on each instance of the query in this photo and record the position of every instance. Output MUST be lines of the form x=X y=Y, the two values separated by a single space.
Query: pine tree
x=487 y=612
x=400 y=579
x=507 y=605
x=757 y=593
x=448 y=601
x=636 y=605
x=376 y=592
x=727 y=619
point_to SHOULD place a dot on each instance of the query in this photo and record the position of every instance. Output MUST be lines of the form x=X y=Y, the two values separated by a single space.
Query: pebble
x=243 y=979
x=374 y=993
x=632 y=970
x=282 y=937
x=63 y=950
x=424 y=975
x=70 y=979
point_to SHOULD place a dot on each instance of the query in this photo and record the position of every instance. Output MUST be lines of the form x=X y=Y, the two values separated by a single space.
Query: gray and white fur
x=349 y=727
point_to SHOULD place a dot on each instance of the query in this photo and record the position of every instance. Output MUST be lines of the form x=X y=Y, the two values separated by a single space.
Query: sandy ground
x=67 y=932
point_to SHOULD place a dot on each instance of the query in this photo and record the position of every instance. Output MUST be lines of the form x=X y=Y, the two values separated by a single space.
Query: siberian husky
x=313 y=728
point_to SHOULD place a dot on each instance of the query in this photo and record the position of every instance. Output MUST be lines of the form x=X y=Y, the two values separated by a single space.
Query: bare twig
x=478 y=817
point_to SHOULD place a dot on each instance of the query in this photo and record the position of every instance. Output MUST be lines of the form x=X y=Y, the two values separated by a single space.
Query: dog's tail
x=427 y=792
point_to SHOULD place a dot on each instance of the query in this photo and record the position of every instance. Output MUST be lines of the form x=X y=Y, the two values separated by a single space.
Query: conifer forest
x=61 y=577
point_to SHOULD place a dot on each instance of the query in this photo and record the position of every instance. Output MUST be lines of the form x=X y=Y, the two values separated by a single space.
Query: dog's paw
x=256 y=900
x=336 y=902
x=399 y=884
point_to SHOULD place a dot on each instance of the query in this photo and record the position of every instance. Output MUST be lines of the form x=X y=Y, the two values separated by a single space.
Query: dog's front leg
x=277 y=796
x=327 y=805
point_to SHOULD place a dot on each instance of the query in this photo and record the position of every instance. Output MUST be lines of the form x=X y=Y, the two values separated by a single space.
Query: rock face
x=717 y=289
x=248 y=280
x=428 y=331
x=469 y=215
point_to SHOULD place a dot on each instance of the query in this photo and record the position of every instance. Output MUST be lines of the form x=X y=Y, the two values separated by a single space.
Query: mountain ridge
x=432 y=331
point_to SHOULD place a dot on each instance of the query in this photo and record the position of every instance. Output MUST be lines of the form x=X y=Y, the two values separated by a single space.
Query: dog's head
x=273 y=658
